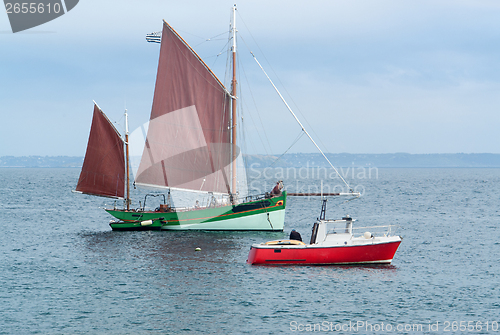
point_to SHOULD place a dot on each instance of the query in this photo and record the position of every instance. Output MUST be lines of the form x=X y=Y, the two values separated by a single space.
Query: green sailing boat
x=190 y=148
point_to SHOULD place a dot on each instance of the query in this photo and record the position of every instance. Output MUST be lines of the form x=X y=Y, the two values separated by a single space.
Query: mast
x=233 y=108
x=127 y=200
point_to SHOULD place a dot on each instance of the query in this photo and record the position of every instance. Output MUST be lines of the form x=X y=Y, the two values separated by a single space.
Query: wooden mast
x=233 y=109
x=127 y=168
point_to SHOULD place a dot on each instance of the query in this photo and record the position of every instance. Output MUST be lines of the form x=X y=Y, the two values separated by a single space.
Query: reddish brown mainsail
x=103 y=170
x=188 y=143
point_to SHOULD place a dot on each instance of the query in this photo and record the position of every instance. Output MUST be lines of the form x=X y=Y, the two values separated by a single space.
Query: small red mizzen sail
x=188 y=141
x=103 y=170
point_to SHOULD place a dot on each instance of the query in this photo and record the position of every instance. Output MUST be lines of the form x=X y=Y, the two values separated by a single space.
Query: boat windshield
x=339 y=227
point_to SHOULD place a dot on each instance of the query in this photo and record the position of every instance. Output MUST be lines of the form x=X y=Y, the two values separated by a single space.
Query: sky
x=363 y=76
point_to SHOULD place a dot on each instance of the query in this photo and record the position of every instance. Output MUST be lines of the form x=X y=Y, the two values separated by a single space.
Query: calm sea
x=63 y=271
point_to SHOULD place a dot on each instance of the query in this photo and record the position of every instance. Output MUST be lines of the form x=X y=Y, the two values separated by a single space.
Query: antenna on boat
x=322 y=215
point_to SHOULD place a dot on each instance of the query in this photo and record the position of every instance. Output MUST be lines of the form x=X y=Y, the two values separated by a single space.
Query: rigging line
x=214 y=38
x=254 y=103
x=303 y=129
x=356 y=197
x=239 y=113
x=222 y=49
x=193 y=52
x=243 y=107
x=220 y=53
x=228 y=63
x=296 y=140
x=265 y=58
x=258 y=113
x=295 y=104
x=301 y=114
x=224 y=126
x=218 y=35
x=200 y=37
x=243 y=132
x=220 y=84
x=258 y=133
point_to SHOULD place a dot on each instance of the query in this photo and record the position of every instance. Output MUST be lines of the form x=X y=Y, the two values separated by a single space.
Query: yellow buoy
x=197 y=249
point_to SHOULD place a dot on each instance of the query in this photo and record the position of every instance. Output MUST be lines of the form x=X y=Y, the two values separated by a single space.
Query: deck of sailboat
x=253 y=215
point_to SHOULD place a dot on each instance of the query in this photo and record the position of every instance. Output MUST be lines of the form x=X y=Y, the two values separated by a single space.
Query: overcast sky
x=365 y=76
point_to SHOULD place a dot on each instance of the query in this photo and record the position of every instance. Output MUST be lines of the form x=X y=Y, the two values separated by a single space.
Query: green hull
x=262 y=214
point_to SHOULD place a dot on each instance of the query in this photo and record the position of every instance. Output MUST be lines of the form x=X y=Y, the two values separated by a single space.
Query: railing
x=256 y=197
x=346 y=226
x=226 y=200
x=388 y=229
x=153 y=195
x=209 y=202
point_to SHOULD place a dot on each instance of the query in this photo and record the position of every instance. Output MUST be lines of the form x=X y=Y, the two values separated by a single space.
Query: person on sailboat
x=277 y=189
x=295 y=235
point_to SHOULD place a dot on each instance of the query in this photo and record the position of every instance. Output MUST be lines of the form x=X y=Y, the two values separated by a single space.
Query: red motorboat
x=332 y=242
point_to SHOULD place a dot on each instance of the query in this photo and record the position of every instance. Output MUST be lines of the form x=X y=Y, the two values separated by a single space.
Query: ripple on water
x=63 y=270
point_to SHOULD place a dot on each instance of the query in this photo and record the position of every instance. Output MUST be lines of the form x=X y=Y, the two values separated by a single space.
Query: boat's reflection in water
x=178 y=248
x=174 y=248
x=161 y=274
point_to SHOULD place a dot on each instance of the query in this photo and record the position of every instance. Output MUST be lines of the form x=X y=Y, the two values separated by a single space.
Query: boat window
x=338 y=227
x=331 y=228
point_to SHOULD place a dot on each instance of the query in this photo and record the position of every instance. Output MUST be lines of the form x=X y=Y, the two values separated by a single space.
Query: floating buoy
x=197 y=249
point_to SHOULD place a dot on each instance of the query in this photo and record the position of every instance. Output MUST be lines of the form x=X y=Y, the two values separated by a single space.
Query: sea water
x=63 y=271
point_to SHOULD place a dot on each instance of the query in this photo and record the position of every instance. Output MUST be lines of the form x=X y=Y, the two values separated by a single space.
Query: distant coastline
x=41 y=161
x=395 y=160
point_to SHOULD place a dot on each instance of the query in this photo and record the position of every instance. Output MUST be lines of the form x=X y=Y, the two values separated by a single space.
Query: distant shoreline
x=395 y=160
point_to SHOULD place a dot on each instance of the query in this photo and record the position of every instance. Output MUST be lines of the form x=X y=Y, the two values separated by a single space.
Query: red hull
x=372 y=253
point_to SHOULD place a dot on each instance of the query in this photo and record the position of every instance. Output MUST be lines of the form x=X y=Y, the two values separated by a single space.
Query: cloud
x=368 y=76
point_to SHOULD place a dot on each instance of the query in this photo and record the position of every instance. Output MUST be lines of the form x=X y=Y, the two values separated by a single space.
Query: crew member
x=295 y=235
x=277 y=189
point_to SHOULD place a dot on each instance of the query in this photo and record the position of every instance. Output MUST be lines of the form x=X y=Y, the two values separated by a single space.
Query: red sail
x=103 y=171
x=188 y=140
